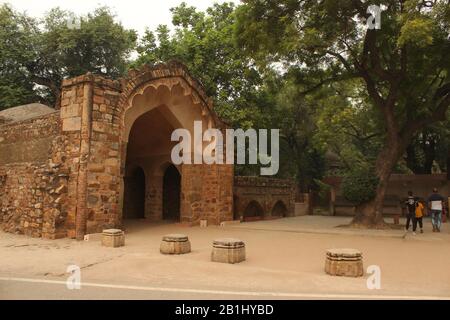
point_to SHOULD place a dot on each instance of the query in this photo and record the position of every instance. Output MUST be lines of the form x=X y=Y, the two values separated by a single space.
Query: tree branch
x=438 y=114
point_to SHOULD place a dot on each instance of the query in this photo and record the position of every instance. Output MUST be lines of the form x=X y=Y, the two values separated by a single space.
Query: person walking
x=436 y=204
x=420 y=209
x=411 y=204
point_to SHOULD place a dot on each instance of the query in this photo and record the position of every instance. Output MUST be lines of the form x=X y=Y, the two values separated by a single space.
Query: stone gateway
x=104 y=155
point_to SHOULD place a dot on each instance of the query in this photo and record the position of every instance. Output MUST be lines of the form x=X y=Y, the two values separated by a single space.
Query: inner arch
x=155 y=112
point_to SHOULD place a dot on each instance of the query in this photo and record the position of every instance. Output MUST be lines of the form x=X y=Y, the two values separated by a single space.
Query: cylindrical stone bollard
x=228 y=250
x=175 y=244
x=344 y=262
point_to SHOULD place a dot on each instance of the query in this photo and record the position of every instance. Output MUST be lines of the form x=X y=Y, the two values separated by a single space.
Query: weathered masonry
x=104 y=156
x=260 y=198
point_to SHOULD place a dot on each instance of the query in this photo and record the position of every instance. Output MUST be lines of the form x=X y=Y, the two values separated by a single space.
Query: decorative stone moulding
x=228 y=250
x=113 y=238
x=344 y=262
x=175 y=244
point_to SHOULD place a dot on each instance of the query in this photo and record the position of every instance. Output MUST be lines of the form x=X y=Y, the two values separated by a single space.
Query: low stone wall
x=29 y=140
x=33 y=177
x=263 y=198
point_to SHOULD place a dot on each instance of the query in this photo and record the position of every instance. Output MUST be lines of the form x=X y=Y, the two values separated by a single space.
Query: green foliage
x=37 y=55
x=417 y=32
x=101 y=45
x=359 y=185
x=347 y=126
x=323 y=189
x=16 y=50
x=429 y=149
x=204 y=42
x=375 y=89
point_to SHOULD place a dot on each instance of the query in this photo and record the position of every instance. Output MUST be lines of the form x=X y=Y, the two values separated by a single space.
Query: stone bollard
x=113 y=238
x=344 y=262
x=228 y=251
x=175 y=244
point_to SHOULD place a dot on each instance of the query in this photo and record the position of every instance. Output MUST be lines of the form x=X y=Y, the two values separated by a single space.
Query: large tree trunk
x=370 y=214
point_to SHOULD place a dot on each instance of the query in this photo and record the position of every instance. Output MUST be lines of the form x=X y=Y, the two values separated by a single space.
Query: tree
x=347 y=126
x=404 y=65
x=98 y=44
x=429 y=148
x=16 y=49
x=296 y=115
x=38 y=55
x=204 y=42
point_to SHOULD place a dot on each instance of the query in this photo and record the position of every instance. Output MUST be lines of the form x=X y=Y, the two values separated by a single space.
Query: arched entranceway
x=134 y=195
x=253 y=212
x=127 y=123
x=149 y=147
x=153 y=106
x=279 y=210
x=171 y=194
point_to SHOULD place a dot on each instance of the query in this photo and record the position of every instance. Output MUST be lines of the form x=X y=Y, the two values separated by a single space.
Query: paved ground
x=285 y=260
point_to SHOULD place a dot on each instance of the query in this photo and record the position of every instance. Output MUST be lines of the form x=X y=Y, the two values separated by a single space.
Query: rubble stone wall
x=266 y=193
x=33 y=177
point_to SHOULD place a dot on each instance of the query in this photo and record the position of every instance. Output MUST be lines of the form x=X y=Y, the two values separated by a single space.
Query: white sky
x=134 y=14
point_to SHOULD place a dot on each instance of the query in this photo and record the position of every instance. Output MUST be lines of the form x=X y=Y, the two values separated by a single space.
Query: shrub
x=359 y=185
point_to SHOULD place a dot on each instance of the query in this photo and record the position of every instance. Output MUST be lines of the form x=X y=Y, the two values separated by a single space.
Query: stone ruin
x=103 y=155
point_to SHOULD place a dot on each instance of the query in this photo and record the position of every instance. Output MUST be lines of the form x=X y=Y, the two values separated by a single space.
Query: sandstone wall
x=266 y=193
x=33 y=177
x=104 y=174
x=207 y=193
x=90 y=121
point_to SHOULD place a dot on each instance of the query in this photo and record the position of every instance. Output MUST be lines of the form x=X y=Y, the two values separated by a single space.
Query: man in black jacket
x=411 y=204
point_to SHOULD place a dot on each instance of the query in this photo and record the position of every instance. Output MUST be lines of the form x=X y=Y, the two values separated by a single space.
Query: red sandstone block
x=99 y=99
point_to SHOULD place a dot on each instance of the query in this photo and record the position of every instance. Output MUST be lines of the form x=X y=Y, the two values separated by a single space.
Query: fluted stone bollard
x=228 y=250
x=344 y=262
x=113 y=238
x=175 y=244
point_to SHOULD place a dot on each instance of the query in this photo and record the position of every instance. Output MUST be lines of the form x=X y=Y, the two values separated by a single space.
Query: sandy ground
x=285 y=260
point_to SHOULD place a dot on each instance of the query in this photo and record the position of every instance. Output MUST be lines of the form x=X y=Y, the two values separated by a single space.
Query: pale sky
x=134 y=14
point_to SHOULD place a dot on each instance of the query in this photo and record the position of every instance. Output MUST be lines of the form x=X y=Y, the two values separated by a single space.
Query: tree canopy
x=403 y=65
x=36 y=55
